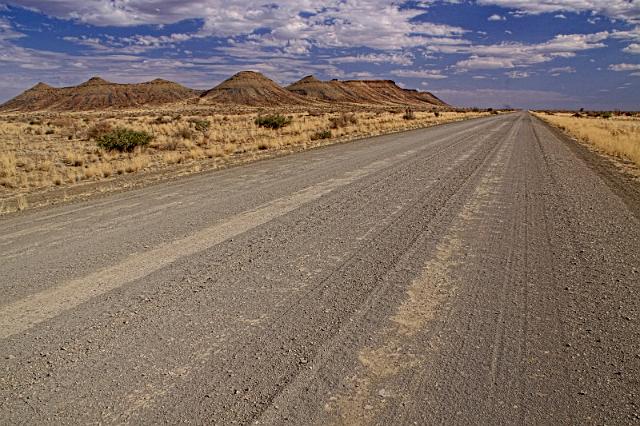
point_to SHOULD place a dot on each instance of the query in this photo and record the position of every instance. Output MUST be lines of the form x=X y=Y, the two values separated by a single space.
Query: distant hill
x=425 y=97
x=246 y=88
x=330 y=91
x=252 y=89
x=388 y=92
x=369 y=92
x=97 y=93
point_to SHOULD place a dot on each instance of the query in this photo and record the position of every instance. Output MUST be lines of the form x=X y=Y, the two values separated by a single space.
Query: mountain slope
x=370 y=92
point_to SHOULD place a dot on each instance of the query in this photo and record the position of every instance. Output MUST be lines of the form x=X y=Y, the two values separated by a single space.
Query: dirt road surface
x=481 y=272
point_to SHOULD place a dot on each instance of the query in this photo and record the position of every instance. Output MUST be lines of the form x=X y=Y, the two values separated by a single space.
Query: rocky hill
x=369 y=92
x=96 y=94
x=330 y=91
x=246 y=88
x=251 y=88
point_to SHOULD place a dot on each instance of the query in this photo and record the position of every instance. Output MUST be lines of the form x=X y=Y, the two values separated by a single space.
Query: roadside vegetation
x=274 y=121
x=124 y=140
x=40 y=152
x=613 y=134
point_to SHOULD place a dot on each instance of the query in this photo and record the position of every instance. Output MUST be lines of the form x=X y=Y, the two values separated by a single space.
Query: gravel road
x=480 y=272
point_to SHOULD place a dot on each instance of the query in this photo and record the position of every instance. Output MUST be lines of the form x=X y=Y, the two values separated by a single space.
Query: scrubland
x=618 y=135
x=41 y=152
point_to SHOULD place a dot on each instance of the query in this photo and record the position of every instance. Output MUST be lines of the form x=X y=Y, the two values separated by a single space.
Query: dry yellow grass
x=33 y=159
x=617 y=136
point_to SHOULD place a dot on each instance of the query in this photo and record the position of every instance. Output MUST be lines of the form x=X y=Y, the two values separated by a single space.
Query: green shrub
x=606 y=115
x=321 y=134
x=274 y=121
x=123 y=140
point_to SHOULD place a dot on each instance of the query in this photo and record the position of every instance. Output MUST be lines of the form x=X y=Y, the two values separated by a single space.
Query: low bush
x=321 y=134
x=123 y=140
x=274 y=121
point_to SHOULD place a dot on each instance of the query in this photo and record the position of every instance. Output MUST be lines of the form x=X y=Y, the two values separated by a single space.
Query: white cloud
x=512 y=55
x=7 y=32
x=430 y=74
x=496 y=17
x=296 y=25
x=632 y=48
x=560 y=70
x=624 y=67
x=91 y=42
x=560 y=16
x=625 y=10
x=486 y=62
x=375 y=58
x=518 y=74
x=627 y=35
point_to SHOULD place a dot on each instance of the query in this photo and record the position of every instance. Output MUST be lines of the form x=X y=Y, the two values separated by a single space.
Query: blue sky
x=532 y=54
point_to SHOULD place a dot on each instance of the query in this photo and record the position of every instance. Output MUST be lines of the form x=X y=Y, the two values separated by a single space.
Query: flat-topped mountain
x=388 y=92
x=371 y=92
